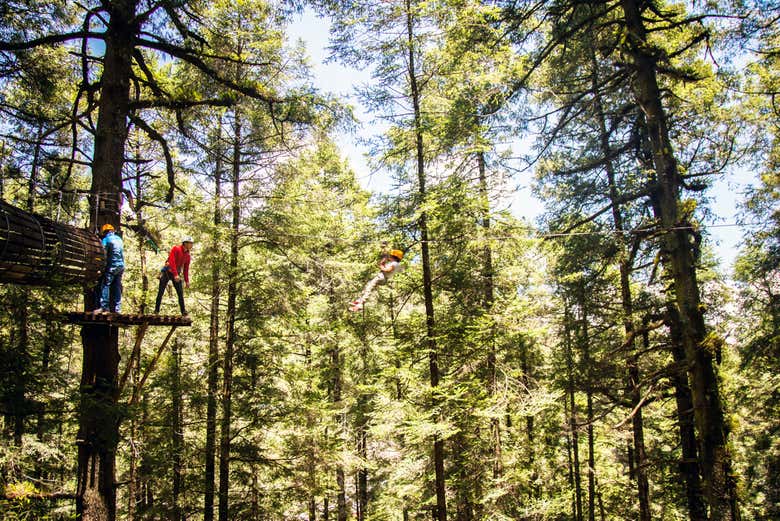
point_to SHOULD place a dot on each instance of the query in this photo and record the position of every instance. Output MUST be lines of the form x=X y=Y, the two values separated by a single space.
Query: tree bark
x=255 y=509
x=99 y=419
x=213 y=360
x=177 y=433
x=341 y=489
x=679 y=259
x=361 y=419
x=133 y=484
x=637 y=453
x=572 y=418
x=311 y=443
x=689 y=462
x=488 y=299
x=430 y=321
x=230 y=332
x=98 y=425
x=135 y=356
x=586 y=360
x=525 y=367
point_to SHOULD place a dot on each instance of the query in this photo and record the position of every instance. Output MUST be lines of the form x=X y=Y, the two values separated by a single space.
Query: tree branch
x=48 y=40
x=156 y=136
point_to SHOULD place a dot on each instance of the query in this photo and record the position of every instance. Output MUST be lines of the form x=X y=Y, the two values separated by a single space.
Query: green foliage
x=22 y=502
x=533 y=350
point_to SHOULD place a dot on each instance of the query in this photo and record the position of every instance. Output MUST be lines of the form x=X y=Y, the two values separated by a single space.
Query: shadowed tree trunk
x=177 y=433
x=488 y=298
x=230 y=333
x=213 y=360
x=590 y=417
x=362 y=415
x=99 y=416
x=689 y=463
x=679 y=260
x=430 y=321
x=571 y=420
x=341 y=488
x=135 y=356
x=637 y=454
x=574 y=460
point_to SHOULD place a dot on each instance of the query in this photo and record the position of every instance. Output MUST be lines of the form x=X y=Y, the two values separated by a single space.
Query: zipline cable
x=548 y=235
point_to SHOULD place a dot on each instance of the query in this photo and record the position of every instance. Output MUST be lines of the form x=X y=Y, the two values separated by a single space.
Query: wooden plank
x=122 y=319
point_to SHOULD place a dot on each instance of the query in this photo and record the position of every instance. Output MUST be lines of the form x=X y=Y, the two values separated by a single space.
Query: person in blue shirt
x=111 y=284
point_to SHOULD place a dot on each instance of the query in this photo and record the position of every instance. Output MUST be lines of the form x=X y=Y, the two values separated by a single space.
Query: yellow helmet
x=397 y=254
x=107 y=228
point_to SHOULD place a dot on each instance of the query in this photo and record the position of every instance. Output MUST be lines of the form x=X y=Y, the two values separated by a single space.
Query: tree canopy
x=598 y=362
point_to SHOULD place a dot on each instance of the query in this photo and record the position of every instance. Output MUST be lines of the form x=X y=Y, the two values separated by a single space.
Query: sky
x=340 y=80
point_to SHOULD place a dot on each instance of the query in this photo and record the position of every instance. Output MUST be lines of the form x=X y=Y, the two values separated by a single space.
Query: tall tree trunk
x=312 y=442
x=32 y=182
x=591 y=460
x=177 y=433
x=254 y=508
x=572 y=419
x=586 y=360
x=399 y=391
x=230 y=332
x=312 y=509
x=135 y=355
x=465 y=481
x=526 y=380
x=213 y=360
x=341 y=489
x=361 y=419
x=341 y=494
x=98 y=425
x=53 y=337
x=430 y=321
x=99 y=419
x=488 y=298
x=19 y=362
x=146 y=497
x=689 y=463
x=637 y=453
x=134 y=486
x=679 y=260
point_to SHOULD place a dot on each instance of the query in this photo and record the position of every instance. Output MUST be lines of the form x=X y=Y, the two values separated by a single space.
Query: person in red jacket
x=176 y=268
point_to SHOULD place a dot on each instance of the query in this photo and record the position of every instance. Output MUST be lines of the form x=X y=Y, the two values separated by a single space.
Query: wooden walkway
x=121 y=319
x=37 y=251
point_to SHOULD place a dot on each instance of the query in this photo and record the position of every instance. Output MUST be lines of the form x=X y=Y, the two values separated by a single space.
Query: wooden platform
x=121 y=319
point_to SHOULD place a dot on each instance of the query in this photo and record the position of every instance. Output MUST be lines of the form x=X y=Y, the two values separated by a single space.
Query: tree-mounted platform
x=35 y=250
x=86 y=318
x=121 y=319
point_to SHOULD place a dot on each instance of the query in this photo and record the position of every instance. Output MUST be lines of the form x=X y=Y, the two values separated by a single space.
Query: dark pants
x=110 y=292
x=164 y=278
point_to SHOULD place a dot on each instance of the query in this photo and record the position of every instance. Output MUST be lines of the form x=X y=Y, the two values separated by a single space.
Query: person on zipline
x=176 y=267
x=388 y=266
x=109 y=294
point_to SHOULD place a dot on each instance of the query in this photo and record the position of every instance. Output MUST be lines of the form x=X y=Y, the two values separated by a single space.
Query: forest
x=604 y=360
